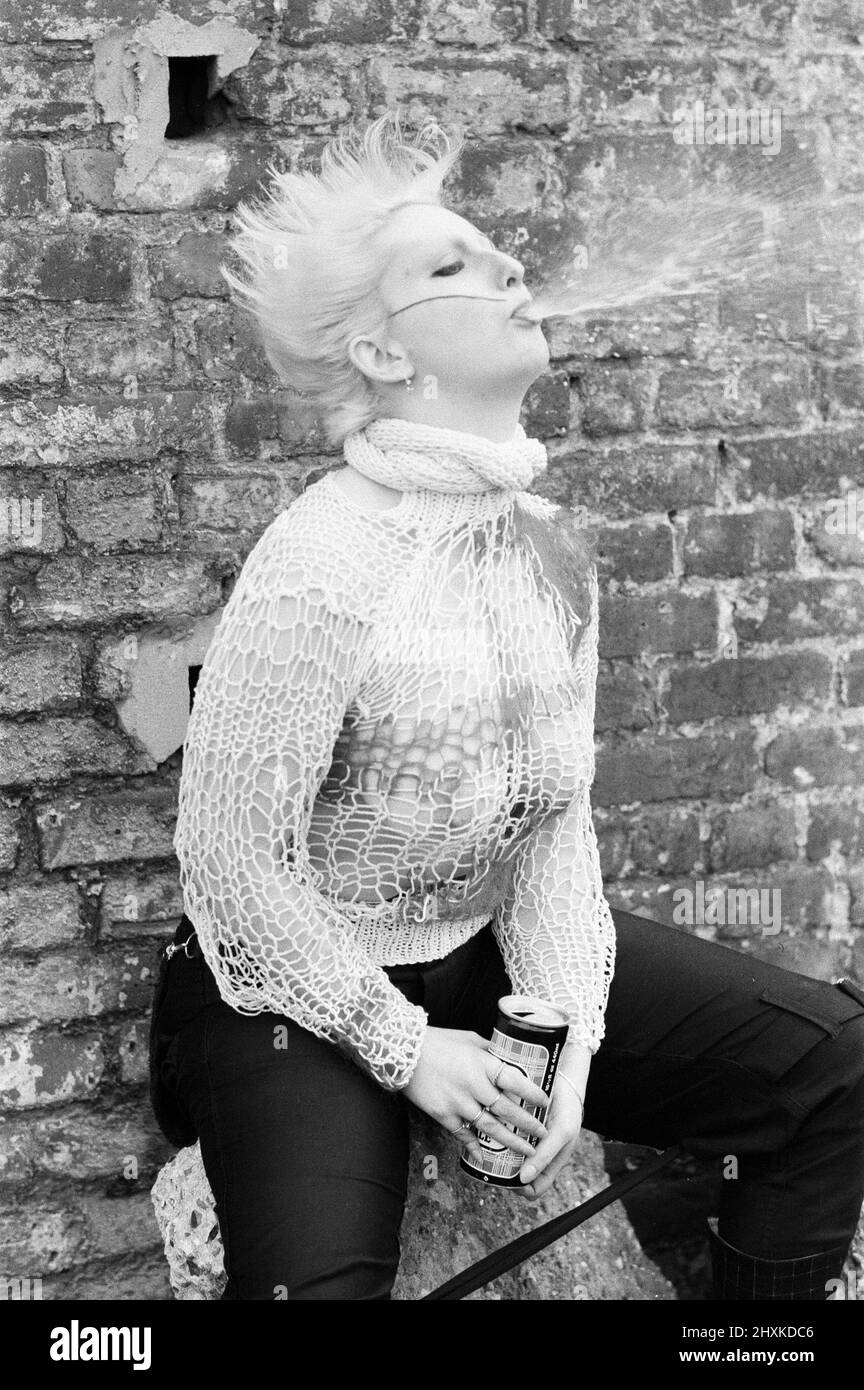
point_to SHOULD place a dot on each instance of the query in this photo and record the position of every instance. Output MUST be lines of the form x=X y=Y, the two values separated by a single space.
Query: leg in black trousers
x=724 y=1053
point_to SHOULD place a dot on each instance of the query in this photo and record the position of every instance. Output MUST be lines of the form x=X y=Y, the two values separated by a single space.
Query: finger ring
x=498 y=1073
x=481 y=1111
x=466 y=1124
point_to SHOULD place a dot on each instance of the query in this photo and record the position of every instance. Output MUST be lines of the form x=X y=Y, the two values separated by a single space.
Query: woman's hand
x=564 y=1123
x=457 y=1075
x=563 y=1119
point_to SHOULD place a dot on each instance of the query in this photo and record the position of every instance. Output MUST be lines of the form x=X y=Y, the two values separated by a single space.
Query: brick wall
x=142 y=429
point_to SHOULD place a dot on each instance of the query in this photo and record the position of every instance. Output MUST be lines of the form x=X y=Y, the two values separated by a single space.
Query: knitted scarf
x=406 y=455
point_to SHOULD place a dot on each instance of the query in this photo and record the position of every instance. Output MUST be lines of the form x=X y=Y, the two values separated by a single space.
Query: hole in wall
x=194 y=673
x=194 y=103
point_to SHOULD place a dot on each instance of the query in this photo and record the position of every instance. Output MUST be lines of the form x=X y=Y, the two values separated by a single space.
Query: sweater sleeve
x=268 y=707
x=554 y=926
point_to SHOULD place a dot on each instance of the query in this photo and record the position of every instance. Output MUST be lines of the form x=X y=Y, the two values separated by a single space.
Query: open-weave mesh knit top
x=390 y=744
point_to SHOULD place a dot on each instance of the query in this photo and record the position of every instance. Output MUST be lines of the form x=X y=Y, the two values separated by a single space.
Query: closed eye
x=452 y=269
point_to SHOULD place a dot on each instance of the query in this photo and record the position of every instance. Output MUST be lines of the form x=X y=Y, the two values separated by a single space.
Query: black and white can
x=529 y=1034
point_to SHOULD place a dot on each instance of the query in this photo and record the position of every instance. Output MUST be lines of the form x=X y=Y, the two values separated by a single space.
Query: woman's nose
x=510 y=271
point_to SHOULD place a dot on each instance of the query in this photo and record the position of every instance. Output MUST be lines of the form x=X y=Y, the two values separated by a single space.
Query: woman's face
x=450 y=298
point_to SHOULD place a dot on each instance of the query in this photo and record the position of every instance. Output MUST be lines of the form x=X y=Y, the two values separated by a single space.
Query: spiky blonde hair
x=308 y=247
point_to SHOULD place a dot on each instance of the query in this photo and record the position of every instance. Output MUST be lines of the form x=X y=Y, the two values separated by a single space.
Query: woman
x=384 y=818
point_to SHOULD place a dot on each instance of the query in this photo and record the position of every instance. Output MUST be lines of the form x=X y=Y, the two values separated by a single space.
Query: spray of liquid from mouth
x=751 y=221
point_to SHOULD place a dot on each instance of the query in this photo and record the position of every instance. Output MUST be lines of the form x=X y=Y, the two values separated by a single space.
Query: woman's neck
x=493 y=418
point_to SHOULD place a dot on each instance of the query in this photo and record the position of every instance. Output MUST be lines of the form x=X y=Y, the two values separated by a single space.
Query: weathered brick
x=47 y=1237
x=60 y=987
x=107 y=827
x=311 y=92
x=283 y=417
x=29 y=351
x=341 y=21
x=627 y=482
x=547 y=406
x=43 y=1067
x=110 y=350
x=190 y=267
x=77 y=590
x=40 y=673
x=739 y=543
x=843 y=387
x=78 y=1143
x=89 y=176
x=133 y=904
x=498 y=176
x=215 y=342
x=641 y=553
x=133 y=1279
x=680 y=325
x=665 y=841
x=637 y=166
x=23 y=180
x=45 y=94
x=488 y=95
x=29 y=515
x=854 y=677
x=810 y=756
x=94 y=428
x=36 y=915
x=764 y=394
x=836 y=824
x=117 y=510
x=745 y=837
x=773 y=311
x=787 y=610
x=131 y=1045
x=559 y=19
x=795 y=897
x=747 y=685
x=797 y=464
x=613 y=834
x=220 y=503
x=40 y=22
x=65 y=267
x=613 y=398
x=625 y=698
x=52 y=749
x=658 y=767
x=10 y=839
x=836 y=534
x=667 y=622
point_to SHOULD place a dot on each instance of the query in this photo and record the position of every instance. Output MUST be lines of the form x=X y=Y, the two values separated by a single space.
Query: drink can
x=529 y=1034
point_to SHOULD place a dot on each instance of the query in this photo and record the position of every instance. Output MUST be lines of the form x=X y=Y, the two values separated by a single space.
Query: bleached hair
x=311 y=265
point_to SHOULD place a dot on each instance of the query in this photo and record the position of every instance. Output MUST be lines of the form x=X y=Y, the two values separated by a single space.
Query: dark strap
x=512 y=1254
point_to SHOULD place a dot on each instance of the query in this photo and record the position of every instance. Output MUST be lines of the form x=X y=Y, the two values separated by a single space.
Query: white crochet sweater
x=389 y=746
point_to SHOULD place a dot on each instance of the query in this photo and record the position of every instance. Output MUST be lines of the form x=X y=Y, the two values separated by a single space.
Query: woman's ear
x=385 y=364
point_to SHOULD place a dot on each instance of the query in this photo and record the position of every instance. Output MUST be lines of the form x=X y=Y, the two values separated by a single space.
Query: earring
x=409 y=384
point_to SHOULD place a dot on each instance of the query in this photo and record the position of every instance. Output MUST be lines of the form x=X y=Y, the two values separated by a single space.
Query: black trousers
x=307 y=1157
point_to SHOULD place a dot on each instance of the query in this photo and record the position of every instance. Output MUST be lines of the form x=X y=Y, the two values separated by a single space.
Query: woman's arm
x=555 y=928
x=268 y=708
